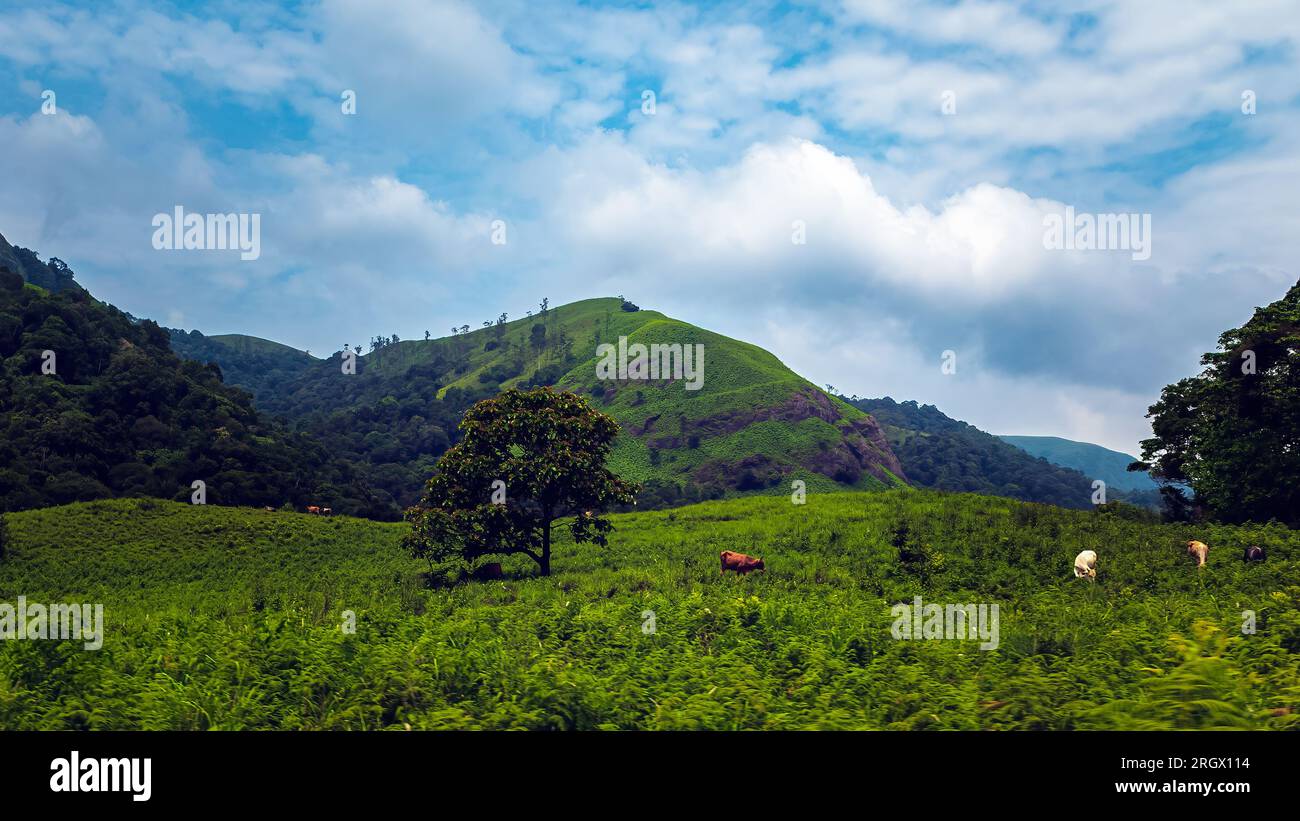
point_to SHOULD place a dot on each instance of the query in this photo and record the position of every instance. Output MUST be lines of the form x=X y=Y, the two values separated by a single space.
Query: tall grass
x=231 y=618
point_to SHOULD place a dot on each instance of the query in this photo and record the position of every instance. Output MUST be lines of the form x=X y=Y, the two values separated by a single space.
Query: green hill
x=232 y=618
x=1091 y=460
x=753 y=424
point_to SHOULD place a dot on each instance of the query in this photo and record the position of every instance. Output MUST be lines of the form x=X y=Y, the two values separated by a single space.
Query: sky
x=861 y=187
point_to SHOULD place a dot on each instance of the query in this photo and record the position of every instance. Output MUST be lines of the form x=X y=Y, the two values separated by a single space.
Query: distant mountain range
x=1091 y=460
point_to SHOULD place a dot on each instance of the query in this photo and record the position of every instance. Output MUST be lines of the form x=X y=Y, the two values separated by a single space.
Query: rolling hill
x=753 y=424
x=236 y=618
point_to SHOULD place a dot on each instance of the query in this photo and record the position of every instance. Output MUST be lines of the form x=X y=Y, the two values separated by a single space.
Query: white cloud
x=924 y=231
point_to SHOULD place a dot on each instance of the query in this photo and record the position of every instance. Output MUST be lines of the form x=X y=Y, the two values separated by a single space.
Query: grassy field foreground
x=227 y=618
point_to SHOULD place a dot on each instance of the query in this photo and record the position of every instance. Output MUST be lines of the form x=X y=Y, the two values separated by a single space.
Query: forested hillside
x=53 y=275
x=94 y=404
x=946 y=454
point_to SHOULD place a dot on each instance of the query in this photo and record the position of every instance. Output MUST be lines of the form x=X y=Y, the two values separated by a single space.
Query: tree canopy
x=1233 y=431
x=525 y=460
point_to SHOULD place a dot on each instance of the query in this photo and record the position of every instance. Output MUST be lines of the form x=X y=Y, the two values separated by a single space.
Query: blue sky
x=923 y=226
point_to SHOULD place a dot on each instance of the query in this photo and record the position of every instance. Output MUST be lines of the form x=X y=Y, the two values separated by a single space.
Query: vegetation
x=232 y=618
x=753 y=424
x=939 y=452
x=259 y=366
x=527 y=459
x=1093 y=461
x=1230 y=432
x=53 y=276
x=111 y=411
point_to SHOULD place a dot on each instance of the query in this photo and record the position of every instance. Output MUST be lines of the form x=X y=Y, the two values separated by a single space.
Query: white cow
x=1085 y=564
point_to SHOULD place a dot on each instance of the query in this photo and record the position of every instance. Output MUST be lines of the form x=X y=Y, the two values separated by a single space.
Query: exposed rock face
x=862 y=448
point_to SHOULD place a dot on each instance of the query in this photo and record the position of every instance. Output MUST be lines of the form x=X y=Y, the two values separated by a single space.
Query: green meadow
x=234 y=618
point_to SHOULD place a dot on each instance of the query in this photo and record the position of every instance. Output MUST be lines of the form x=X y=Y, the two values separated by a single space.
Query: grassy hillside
x=230 y=618
x=1091 y=460
x=753 y=425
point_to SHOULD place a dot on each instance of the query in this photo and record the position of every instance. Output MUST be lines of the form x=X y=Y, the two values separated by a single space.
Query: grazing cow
x=740 y=563
x=313 y=510
x=269 y=509
x=489 y=571
x=1085 y=565
x=1254 y=553
x=1199 y=551
x=327 y=511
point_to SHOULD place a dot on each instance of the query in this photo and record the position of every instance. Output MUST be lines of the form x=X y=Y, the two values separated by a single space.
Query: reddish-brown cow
x=740 y=563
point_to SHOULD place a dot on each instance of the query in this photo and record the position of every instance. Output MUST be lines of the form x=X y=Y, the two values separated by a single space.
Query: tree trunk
x=546 y=549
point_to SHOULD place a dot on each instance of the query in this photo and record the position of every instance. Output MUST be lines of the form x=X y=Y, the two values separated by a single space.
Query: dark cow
x=1254 y=553
x=740 y=563
x=489 y=571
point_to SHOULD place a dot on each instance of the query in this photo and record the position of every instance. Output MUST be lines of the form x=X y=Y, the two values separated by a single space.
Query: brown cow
x=1198 y=550
x=740 y=563
x=313 y=510
x=489 y=571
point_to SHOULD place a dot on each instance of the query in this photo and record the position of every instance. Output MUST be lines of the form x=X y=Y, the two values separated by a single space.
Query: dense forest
x=943 y=453
x=95 y=404
x=54 y=275
x=388 y=415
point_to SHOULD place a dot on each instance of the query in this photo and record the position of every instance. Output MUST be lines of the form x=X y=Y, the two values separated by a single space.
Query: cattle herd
x=315 y=510
x=1085 y=564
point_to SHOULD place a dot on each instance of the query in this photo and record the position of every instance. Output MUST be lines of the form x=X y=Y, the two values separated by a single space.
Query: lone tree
x=1233 y=431
x=527 y=459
